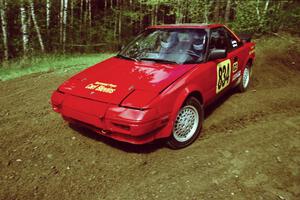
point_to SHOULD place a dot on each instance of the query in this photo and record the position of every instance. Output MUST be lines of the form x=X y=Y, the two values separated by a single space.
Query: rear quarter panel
x=249 y=52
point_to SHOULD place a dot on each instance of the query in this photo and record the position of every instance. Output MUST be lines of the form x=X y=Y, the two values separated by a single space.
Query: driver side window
x=218 y=40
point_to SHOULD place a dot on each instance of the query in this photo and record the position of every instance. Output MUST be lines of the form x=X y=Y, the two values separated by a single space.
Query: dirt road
x=250 y=147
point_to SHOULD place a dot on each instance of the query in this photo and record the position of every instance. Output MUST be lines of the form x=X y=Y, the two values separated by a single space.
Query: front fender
x=179 y=95
x=183 y=95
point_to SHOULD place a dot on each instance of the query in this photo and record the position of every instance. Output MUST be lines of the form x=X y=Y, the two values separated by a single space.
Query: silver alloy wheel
x=186 y=123
x=246 y=77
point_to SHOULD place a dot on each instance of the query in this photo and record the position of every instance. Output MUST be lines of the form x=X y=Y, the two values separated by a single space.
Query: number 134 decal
x=223 y=75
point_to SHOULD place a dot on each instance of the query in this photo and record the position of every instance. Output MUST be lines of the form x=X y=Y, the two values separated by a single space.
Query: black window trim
x=240 y=44
x=209 y=32
x=226 y=31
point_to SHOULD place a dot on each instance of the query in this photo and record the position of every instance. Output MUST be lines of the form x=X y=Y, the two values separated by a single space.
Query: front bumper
x=123 y=124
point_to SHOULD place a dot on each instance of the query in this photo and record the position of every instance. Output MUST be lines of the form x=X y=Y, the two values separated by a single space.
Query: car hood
x=115 y=79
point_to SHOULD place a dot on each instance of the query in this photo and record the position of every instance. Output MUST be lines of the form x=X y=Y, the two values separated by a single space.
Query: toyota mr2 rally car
x=158 y=85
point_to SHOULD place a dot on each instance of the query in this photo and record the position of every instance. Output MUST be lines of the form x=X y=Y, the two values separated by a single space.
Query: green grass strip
x=48 y=63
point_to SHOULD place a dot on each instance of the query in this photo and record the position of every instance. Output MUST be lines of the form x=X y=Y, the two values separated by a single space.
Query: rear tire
x=245 y=79
x=187 y=125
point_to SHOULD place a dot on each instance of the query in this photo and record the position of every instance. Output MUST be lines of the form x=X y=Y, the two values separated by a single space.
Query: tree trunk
x=227 y=11
x=156 y=15
x=278 y=9
x=85 y=21
x=105 y=5
x=207 y=7
x=131 y=8
x=141 y=17
x=3 y=7
x=81 y=16
x=29 y=20
x=24 y=28
x=48 y=5
x=116 y=20
x=37 y=28
x=72 y=20
x=72 y=13
x=257 y=10
x=186 y=12
x=89 y=21
x=90 y=13
x=206 y=12
x=61 y=16
x=65 y=14
x=152 y=15
x=85 y=17
x=163 y=16
x=178 y=12
x=120 y=23
x=266 y=7
x=217 y=11
x=105 y=8
x=115 y=26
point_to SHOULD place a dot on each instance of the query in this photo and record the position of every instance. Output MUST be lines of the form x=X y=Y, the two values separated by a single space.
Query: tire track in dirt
x=249 y=149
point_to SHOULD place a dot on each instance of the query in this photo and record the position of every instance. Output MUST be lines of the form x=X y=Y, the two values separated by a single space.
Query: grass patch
x=48 y=63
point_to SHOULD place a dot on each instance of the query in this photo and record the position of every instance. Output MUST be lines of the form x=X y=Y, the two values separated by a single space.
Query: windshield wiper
x=147 y=59
x=159 y=60
x=127 y=57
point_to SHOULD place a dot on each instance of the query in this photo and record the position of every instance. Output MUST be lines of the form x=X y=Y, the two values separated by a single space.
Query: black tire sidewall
x=172 y=142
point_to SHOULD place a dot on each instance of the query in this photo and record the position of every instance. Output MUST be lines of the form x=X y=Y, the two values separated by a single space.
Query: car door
x=222 y=71
x=236 y=54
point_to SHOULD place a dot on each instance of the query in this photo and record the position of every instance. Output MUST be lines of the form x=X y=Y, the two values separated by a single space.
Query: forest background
x=35 y=27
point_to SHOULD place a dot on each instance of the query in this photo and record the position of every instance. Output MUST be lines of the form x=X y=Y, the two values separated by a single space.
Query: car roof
x=200 y=26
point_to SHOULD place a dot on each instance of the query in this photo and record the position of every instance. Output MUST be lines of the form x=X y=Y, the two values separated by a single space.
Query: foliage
x=246 y=19
x=107 y=26
x=260 y=17
x=291 y=19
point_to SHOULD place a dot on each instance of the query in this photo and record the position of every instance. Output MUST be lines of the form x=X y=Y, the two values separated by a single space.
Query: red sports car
x=159 y=84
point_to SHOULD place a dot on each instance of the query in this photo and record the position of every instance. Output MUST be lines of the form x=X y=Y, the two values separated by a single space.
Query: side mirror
x=217 y=54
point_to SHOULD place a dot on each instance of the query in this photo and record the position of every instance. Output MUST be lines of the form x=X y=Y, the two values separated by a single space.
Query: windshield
x=168 y=45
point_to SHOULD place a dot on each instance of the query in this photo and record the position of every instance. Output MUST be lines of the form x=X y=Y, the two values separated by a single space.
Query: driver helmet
x=198 y=43
x=168 y=39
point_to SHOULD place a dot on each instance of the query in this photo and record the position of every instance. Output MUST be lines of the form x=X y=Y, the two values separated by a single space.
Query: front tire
x=187 y=125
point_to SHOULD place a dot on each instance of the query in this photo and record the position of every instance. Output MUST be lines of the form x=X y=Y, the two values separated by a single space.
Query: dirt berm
x=250 y=147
